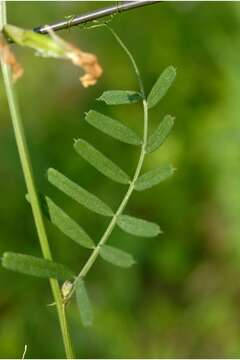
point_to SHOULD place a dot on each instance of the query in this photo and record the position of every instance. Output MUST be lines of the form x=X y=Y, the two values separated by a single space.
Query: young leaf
x=78 y=193
x=153 y=177
x=100 y=162
x=160 y=134
x=113 y=128
x=84 y=304
x=119 y=97
x=67 y=225
x=138 y=227
x=161 y=86
x=35 y=266
x=116 y=256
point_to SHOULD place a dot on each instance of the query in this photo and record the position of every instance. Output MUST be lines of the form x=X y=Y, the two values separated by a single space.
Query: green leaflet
x=78 y=193
x=84 y=304
x=116 y=256
x=138 y=227
x=160 y=134
x=35 y=266
x=100 y=162
x=161 y=86
x=64 y=222
x=153 y=177
x=119 y=97
x=67 y=225
x=113 y=128
x=42 y=43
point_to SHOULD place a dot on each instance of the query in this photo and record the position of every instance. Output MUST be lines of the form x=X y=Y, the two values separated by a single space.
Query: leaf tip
x=75 y=141
x=49 y=171
x=158 y=231
x=171 y=117
x=173 y=69
x=99 y=98
x=134 y=262
x=86 y=113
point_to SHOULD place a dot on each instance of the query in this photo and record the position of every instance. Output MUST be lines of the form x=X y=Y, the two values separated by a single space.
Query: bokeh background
x=182 y=299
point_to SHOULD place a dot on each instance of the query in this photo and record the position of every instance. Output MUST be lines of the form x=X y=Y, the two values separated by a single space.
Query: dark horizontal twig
x=94 y=15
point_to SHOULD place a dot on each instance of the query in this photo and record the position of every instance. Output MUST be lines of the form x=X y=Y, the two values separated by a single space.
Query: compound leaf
x=153 y=177
x=78 y=193
x=116 y=256
x=119 y=97
x=84 y=304
x=67 y=225
x=138 y=227
x=160 y=134
x=112 y=127
x=35 y=266
x=161 y=86
x=100 y=162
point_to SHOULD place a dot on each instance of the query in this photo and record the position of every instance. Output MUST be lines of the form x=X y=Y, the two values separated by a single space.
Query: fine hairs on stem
x=43 y=205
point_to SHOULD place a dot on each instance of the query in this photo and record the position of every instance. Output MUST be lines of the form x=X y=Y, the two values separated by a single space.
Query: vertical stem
x=31 y=188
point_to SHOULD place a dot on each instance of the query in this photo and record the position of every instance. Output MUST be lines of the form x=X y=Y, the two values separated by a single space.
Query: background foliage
x=182 y=298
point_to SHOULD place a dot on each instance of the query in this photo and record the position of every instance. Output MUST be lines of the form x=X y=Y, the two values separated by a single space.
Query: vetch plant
x=72 y=283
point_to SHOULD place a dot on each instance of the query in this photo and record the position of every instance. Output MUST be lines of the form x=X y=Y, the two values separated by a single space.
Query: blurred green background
x=182 y=299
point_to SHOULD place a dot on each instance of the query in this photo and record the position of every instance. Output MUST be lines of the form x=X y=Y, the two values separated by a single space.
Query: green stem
x=130 y=190
x=31 y=188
